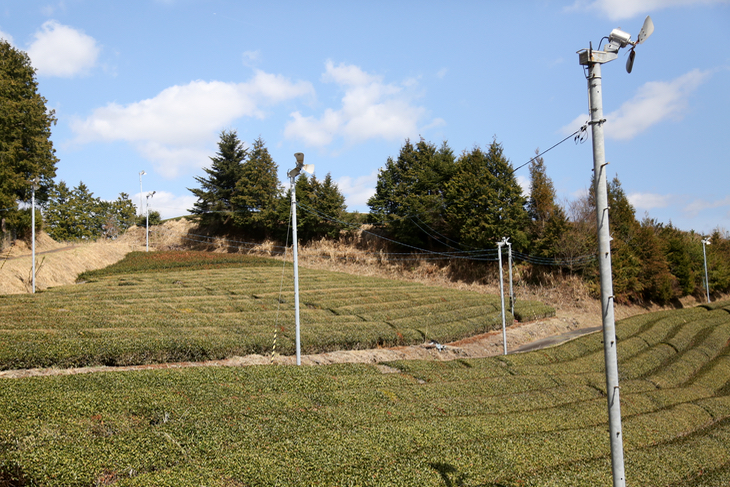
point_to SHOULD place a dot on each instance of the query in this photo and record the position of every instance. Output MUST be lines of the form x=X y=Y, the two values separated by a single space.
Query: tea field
x=193 y=306
x=533 y=419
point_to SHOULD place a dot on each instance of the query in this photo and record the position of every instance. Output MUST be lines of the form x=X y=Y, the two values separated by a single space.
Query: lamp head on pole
x=706 y=241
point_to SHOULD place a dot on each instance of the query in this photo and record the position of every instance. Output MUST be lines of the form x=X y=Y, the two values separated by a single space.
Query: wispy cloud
x=654 y=102
x=371 y=109
x=60 y=50
x=174 y=129
x=626 y=9
x=699 y=205
x=649 y=201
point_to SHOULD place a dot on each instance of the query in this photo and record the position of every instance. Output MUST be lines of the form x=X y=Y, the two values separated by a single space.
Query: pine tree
x=410 y=193
x=26 y=150
x=217 y=190
x=257 y=191
x=484 y=200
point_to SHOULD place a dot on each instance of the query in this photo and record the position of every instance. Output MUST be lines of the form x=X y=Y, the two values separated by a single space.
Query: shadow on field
x=11 y=475
x=452 y=477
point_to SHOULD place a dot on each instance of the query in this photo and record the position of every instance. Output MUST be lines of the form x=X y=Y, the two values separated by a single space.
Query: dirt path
x=549 y=331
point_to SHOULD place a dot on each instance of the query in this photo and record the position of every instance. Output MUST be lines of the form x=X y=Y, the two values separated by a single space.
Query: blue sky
x=149 y=85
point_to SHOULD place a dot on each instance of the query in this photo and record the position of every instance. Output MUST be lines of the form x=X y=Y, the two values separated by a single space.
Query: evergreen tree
x=26 y=150
x=321 y=208
x=119 y=215
x=410 y=193
x=484 y=200
x=257 y=191
x=75 y=214
x=217 y=190
x=60 y=218
x=548 y=221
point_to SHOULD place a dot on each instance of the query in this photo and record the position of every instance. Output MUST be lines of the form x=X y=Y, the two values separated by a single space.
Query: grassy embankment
x=528 y=419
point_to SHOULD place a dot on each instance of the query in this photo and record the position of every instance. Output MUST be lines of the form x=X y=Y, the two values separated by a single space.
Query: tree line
x=427 y=197
x=431 y=198
x=241 y=192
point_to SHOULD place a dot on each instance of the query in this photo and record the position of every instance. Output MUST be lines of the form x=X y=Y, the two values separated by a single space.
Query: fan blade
x=646 y=30
x=630 y=61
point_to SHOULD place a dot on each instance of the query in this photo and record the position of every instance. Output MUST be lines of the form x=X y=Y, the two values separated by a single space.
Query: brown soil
x=576 y=312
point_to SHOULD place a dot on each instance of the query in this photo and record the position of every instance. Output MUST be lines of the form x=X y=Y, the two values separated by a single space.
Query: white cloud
x=7 y=37
x=649 y=201
x=442 y=73
x=167 y=204
x=60 y=50
x=357 y=192
x=370 y=109
x=626 y=9
x=700 y=205
x=175 y=128
x=654 y=102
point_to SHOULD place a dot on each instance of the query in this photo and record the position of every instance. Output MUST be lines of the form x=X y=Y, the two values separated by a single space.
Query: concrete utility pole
x=593 y=60
x=147 y=219
x=501 y=292
x=511 y=292
x=293 y=174
x=34 y=187
x=604 y=260
x=706 y=241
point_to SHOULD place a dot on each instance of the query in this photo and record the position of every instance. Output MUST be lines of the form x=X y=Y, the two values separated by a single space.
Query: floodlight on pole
x=593 y=60
x=292 y=174
x=141 y=173
x=705 y=242
x=34 y=186
x=147 y=224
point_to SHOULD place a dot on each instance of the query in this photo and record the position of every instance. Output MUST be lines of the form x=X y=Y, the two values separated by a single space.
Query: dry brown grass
x=57 y=263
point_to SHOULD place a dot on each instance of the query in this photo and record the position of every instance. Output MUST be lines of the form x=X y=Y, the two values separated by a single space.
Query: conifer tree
x=257 y=191
x=484 y=200
x=26 y=151
x=410 y=193
x=322 y=208
x=548 y=221
x=216 y=192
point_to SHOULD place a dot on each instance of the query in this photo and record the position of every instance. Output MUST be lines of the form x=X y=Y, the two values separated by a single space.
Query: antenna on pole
x=593 y=60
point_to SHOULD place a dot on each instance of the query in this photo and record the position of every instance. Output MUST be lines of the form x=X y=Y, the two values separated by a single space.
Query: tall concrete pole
x=595 y=100
x=296 y=267
x=33 y=186
x=501 y=294
x=706 y=241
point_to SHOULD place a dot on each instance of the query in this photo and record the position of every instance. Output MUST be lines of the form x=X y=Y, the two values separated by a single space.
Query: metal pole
x=296 y=267
x=704 y=254
x=604 y=258
x=511 y=292
x=147 y=225
x=501 y=295
x=32 y=219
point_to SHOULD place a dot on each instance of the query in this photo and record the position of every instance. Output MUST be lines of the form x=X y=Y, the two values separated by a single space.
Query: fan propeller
x=644 y=33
